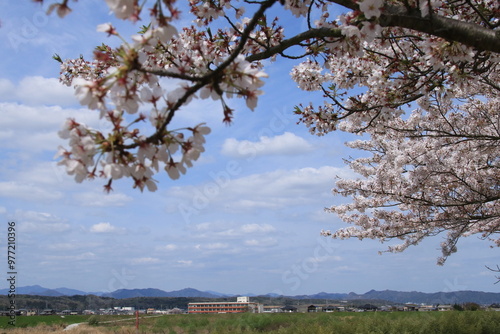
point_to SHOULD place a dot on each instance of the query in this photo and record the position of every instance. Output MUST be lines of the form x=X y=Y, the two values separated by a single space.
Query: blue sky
x=246 y=219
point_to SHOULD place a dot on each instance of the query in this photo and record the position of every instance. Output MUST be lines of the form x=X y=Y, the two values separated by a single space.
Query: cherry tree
x=418 y=80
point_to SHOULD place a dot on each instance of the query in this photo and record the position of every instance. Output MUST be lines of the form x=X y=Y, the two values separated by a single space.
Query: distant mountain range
x=386 y=295
x=37 y=290
x=402 y=297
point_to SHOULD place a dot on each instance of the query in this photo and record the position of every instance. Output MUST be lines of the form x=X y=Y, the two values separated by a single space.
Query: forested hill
x=92 y=302
x=82 y=302
x=483 y=298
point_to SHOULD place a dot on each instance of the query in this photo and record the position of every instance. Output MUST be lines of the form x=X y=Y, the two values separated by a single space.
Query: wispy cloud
x=75 y=257
x=34 y=222
x=212 y=246
x=100 y=199
x=265 y=242
x=185 y=263
x=285 y=144
x=35 y=128
x=106 y=227
x=27 y=192
x=37 y=91
x=168 y=247
x=257 y=228
x=145 y=260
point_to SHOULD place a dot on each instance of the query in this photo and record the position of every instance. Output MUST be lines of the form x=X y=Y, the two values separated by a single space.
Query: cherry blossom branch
x=294 y=41
x=467 y=33
x=204 y=80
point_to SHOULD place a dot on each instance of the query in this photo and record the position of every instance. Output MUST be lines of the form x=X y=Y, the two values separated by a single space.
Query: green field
x=452 y=322
x=55 y=321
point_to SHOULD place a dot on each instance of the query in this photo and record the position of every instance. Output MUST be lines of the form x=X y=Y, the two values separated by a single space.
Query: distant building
x=314 y=308
x=445 y=307
x=48 y=312
x=330 y=308
x=289 y=309
x=241 y=305
x=124 y=308
x=175 y=310
x=273 y=308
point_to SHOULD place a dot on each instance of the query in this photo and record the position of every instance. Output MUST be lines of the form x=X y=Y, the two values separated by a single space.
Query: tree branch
x=293 y=41
x=467 y=33
x=202 y=81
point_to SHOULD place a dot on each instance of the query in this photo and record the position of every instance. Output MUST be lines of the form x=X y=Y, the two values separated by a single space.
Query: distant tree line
x=92 y=302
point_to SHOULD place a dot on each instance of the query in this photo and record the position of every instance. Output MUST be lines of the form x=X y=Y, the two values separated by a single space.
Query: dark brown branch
x=202 y=81
x=296 y=40
x=467 y=33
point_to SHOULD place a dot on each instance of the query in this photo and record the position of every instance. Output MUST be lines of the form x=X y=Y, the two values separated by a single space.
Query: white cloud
x=40 y=222
x=43 y=173
x=266 y=242
x=229 y=237
x=35 y=128
x=68 y=246
x=285 y=144
x=27 y=192
x=76 y=257
x=322 y=216
x=212 y=246
x=321 y=259
x=185 y=263
x=45 y=91
x=345 y=269
x=287 y=183
x=101 y=199
x=282 y=188
x=106 y=227
x=145 y=260
x=257 y=228
x=272 y=190
x=7 y=89
x=37 y=90
x=49 y=228
x=203 y=226
x=168 y=247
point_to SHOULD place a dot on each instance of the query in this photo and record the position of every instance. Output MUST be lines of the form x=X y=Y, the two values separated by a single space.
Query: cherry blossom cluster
x=431 y=169
x=429 y=173
x=118 y=82
x=92 y=155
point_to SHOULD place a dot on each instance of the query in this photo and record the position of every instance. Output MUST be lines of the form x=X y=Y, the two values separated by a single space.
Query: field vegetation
x=466 y=322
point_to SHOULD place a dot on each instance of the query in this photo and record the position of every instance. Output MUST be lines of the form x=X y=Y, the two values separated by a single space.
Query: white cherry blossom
x=371 y=8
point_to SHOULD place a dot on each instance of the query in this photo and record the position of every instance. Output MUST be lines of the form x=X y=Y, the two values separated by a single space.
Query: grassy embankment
x=467 y=322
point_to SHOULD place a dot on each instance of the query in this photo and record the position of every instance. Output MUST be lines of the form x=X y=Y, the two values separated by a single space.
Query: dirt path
x=73 y=326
